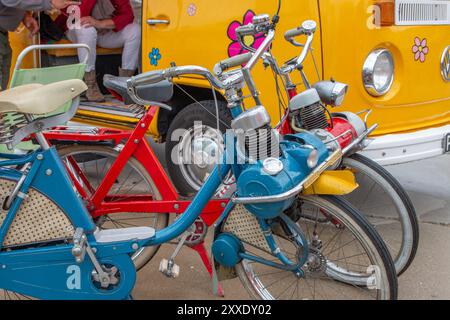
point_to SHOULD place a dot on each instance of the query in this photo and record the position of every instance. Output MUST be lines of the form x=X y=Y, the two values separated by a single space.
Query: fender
x=335 y=182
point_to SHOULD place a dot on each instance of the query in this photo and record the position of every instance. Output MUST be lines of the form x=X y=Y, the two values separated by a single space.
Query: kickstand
x=201 y=250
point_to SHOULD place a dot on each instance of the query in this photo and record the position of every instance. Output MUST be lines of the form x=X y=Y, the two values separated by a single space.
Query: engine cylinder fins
x=313 y=117
x=307 y=110
x=262 y=144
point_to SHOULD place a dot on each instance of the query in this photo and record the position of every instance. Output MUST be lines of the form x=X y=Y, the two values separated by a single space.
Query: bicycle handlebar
x=169 y=73
x=246 y=30
x=232 y=62
x=288 y=35
x=152 y=77
x=146 y=78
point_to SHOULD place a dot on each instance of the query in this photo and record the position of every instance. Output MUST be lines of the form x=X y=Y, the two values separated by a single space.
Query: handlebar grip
x=288 y=35
x=235 y=61
x=246 y=30
x=146 y=78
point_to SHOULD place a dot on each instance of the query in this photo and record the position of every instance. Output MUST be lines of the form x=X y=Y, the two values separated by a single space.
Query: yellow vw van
x=394 y=54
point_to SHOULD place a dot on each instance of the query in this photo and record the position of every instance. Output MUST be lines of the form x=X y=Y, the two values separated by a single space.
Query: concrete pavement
x=428 y=184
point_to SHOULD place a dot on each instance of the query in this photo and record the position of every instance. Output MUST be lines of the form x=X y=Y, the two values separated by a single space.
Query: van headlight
x=378 y=72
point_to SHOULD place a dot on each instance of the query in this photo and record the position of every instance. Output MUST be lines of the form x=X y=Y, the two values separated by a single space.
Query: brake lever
x=296 y=44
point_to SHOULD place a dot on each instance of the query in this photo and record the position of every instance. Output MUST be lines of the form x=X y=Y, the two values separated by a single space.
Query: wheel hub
x=198 y=152
x=111 y=278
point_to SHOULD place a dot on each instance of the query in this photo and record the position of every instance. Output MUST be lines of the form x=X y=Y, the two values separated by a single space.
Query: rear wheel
x=346 y=256
x=94 y=162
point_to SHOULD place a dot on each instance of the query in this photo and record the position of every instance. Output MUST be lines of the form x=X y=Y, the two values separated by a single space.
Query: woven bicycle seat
x=158 y=92
x=39 y=99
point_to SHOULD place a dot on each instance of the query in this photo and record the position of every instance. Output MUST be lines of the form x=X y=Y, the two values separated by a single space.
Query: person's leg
x=5 y=61
x=131 y=48
x=130 y=39
x=89 y=37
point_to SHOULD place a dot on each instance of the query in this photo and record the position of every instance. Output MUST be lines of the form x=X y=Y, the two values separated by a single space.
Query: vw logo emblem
x=445 y=64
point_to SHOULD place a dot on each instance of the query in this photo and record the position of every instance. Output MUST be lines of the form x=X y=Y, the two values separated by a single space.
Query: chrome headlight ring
x=378 y=72
x=312 y=159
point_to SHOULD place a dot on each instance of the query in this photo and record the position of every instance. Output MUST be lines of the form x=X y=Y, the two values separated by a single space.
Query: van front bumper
x=406 y=147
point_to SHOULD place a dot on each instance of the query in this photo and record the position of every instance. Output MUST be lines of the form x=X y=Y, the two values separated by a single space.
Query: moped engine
x=306 y=112
x=255 y=138
x=278 y=172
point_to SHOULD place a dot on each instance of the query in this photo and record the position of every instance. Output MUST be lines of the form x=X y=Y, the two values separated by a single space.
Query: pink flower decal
x=252 y=41
x=420 y=49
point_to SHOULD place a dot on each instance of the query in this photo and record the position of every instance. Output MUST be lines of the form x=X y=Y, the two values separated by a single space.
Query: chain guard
x=53 y=274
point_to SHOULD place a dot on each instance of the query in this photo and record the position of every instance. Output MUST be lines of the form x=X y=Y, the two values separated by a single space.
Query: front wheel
x=347 y=259
x=387 y=206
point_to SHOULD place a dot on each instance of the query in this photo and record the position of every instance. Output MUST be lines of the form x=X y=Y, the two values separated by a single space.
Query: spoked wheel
x=346 y=260
x=134 y=181
x=385 y=203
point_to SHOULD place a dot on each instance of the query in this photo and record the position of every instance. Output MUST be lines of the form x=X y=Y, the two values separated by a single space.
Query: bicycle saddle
x=158 y=92
x=38 y=98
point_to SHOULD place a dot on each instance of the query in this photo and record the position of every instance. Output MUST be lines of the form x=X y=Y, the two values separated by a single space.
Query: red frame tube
x=136 y=146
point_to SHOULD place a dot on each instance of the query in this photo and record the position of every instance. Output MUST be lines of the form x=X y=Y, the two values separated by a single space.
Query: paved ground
x=427 y=182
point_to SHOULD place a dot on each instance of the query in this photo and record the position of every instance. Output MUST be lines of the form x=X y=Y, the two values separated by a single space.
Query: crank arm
x=168 y=267
x=80 y=248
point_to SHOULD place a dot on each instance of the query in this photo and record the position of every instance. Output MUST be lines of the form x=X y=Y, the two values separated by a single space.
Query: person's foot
x=126 y=73
x=93 y=92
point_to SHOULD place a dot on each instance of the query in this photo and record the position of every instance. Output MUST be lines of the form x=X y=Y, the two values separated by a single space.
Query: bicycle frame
x=136 y=146
x=46 y=171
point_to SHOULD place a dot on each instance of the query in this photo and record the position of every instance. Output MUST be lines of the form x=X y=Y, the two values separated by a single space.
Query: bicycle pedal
x=169 y=268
